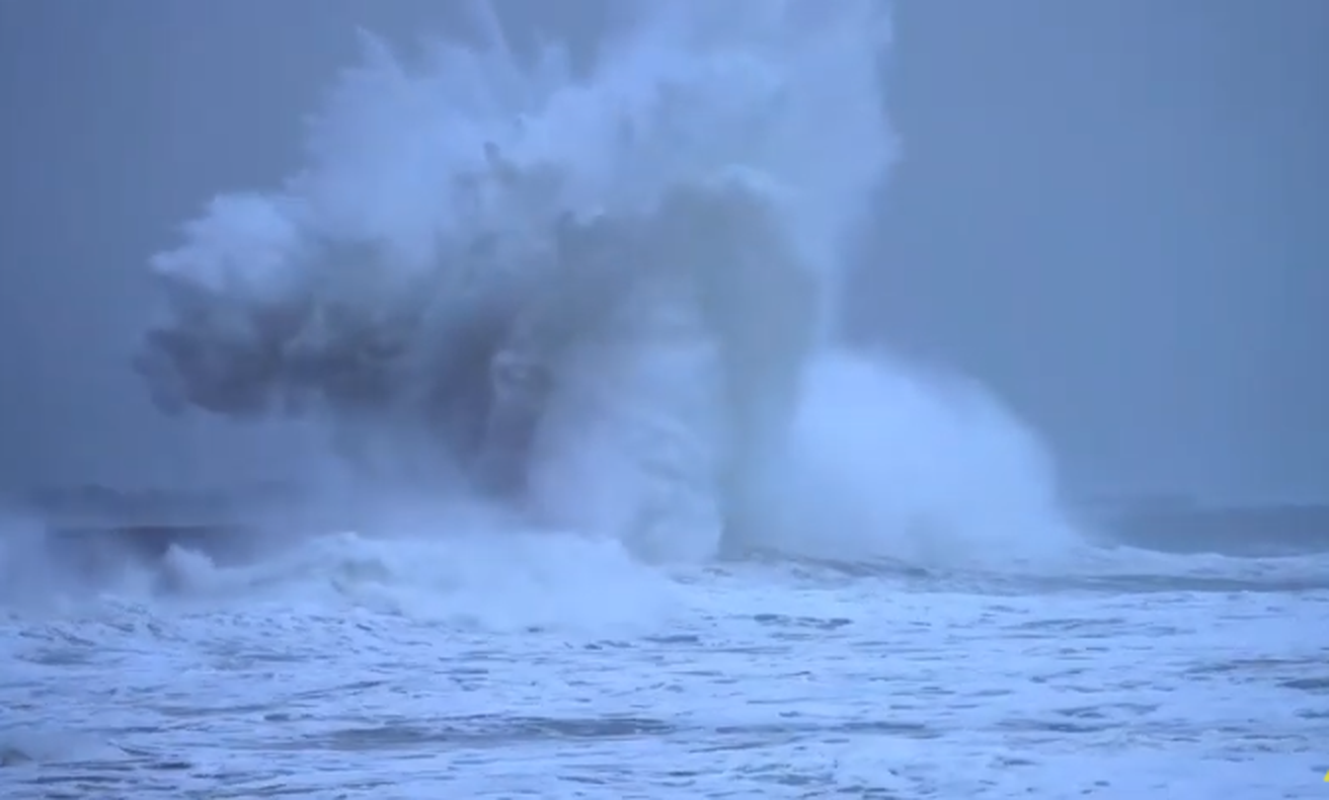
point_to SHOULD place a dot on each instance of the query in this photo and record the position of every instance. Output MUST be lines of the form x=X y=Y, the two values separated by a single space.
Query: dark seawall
x=1178 y=526
x=94 y=531
x=93 y=524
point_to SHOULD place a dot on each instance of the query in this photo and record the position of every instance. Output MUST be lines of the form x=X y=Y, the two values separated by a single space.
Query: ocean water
x=566 y=669
x=739 y=557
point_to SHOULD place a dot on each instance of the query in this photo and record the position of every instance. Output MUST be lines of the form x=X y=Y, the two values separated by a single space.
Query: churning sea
x=353 y=667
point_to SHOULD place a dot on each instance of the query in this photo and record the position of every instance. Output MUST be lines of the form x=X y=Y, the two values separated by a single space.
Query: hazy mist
x=1111 y=212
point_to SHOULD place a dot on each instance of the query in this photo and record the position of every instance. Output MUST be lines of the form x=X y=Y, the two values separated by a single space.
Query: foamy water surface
x=559 y=669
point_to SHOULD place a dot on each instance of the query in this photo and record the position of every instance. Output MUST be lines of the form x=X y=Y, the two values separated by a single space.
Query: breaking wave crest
x=605 y=301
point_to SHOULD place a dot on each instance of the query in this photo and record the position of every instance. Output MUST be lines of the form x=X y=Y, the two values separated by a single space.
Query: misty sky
x=1112 y=212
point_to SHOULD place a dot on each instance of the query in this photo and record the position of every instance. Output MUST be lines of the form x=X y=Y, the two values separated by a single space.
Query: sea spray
x=608 y=300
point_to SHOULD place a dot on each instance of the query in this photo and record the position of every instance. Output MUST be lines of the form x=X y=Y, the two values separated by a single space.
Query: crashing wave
x=536 y=280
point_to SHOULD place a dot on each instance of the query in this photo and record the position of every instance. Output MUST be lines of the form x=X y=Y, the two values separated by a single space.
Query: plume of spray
x=608 y=299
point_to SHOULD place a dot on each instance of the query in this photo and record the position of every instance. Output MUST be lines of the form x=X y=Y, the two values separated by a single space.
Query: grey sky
x=1113 y=212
